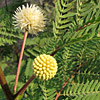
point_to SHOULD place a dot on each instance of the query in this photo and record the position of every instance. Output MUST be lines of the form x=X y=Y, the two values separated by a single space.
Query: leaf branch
x=69 y=79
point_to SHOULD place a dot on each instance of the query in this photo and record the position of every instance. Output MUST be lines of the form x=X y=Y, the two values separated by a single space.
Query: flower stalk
x=22 y=90
x=20 y=59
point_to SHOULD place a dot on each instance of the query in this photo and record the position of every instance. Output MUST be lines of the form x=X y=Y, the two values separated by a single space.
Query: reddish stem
x=62 y=88
x=20 y=59
x=5 y=86
x=54 y=52
x=22 y=90
x=70 y=78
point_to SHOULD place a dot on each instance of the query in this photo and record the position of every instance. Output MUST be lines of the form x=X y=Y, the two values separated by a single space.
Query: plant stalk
x=22 y=90
x=20 y=59
x=5 y=86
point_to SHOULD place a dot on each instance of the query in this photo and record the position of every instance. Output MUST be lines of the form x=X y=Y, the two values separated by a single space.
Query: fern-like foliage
x=75 y=42
x=7 y=33
x=64 y=16
x=89 y=90
x=8 y=37
x=81 y=47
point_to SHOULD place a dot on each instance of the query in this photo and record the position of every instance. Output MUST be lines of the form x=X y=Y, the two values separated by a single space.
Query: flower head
x=30 y=18
x=45 y=67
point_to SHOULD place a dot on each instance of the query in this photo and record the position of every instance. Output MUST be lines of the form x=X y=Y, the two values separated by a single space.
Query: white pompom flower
x=30 y=18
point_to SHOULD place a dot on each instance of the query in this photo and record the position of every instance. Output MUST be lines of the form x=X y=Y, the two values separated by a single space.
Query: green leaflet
x=82 y=90
x=63 y=16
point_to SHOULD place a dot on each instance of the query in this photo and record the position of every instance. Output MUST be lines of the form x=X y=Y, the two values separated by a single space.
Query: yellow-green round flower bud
x=45 y=67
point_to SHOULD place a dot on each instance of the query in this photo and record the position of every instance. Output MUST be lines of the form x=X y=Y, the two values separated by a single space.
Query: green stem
x=5 y=86
x=20 y=59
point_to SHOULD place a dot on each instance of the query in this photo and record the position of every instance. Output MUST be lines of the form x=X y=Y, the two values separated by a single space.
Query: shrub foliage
x=75 y=31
